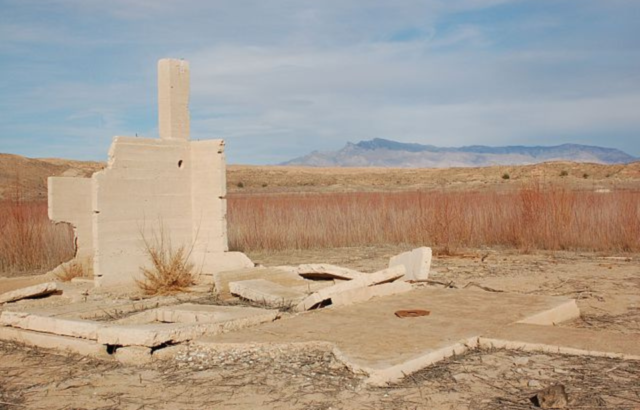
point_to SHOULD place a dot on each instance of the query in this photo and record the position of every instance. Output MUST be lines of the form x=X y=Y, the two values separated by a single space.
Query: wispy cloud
x=280 y=78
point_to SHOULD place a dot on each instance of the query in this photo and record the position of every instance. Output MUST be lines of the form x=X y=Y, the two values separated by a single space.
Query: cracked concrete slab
x=84 y=329
x=266 y=292
x=565 y=340
x=222 y=319
x=324 y=295
x=51 y=341
x=371 y=339
x=279 y=276
x=363 y=294
x=327 y=271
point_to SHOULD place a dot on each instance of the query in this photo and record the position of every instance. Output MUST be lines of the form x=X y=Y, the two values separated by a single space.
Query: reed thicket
x=528 y=219
x=531 y=218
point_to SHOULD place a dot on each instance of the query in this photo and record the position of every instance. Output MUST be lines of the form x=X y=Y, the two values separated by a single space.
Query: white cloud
x=280 y=78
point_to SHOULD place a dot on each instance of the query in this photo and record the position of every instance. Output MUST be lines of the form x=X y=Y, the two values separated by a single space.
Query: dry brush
x=534 y=217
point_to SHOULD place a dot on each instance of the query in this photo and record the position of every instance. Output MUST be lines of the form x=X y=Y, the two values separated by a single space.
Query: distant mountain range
x=386 y=153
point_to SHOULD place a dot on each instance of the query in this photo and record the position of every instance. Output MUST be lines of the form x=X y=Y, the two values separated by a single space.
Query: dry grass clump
x=29 y=240
x=170 y=271
x=534 y=217
x=73 y=269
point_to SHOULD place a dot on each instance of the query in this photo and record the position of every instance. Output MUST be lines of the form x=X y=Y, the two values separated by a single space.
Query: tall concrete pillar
x=173 y=99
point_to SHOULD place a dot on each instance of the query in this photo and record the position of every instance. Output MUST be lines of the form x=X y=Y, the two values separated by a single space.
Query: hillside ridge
x=380 y=152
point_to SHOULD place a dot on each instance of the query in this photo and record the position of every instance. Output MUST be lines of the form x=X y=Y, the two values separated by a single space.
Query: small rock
x=553 y=397
x=520 y=361
x=533 y=383
x=460 y=377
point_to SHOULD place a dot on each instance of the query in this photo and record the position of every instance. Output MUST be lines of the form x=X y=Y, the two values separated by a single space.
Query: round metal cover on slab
x=412 y=313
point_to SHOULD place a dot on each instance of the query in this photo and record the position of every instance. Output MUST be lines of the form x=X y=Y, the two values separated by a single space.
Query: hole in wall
x=180 y=164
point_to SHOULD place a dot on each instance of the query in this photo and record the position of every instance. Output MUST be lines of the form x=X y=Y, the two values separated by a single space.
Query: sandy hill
x=27 y=177
x=244 y=178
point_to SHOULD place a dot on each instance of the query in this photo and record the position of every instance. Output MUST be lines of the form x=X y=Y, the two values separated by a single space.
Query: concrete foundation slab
x=325 y=295
x=134 y=355
x=41 y=289
x=559 y=314
x=327 y=271
x=151 y=335
x=363 y=294
x=65 y=327
x=266 y=292
x=279 y=276
x=556 y=339
x=11 y=284
x=101 y=310
x=371 y=339
x=192 y=313
x=49 y=341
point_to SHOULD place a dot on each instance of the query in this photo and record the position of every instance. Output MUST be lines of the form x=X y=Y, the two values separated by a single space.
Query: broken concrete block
x=417 y=263
x=267 y=292
x=133 y=355
x=42 y=289
x=363 y=294
x=326 y=294
x=193 y=313
x=167 y=352
x=311 y=286
x=152 y=335
x=281 y=277
x=563 y=312
x=286 y=268
x=326 y=271
x=65 y=327
x=49 y=341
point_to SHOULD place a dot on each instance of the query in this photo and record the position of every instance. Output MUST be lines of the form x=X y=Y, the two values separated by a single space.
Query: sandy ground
x=272 y=179
x=607 y=288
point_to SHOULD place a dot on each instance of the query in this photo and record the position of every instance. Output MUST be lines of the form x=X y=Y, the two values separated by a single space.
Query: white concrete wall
x=144 y=191
x=208 y=191
x=167 y=188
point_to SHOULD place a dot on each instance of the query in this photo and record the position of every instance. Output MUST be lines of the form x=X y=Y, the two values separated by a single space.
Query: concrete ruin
x=174 y=190
x=169 y=189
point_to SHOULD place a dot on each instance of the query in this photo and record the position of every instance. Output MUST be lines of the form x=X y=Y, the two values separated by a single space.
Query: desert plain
x=579 y=240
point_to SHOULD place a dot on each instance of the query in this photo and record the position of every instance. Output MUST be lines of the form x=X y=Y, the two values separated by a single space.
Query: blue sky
x=279 y=78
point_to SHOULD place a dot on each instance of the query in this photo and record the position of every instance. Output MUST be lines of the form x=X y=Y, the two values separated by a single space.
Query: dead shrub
x=534 y=217
x=29 y=241
x=74 y=269
x=170 y=271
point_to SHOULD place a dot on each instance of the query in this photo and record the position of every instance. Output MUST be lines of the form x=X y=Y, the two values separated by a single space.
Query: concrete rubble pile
x=313 y=286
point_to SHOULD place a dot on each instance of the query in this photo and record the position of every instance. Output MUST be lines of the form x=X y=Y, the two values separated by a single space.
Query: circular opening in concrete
x=180 y=164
